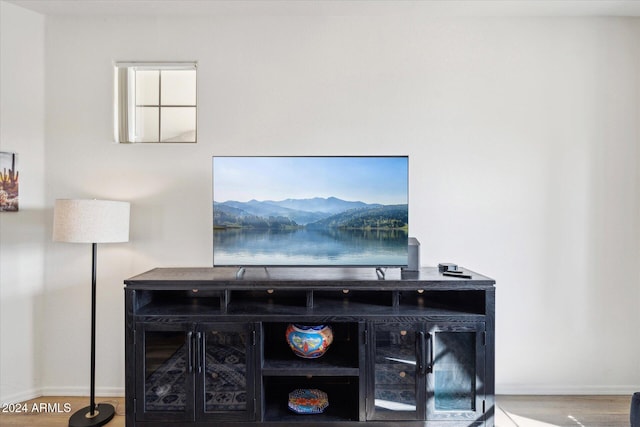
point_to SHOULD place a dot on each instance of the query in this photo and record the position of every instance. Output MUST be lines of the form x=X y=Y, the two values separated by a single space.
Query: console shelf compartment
x=472 y=302
x=325 y=367
x=351 y=299
x=179 y=302
x=342 y=393
x=341 y=357
x=266 y=300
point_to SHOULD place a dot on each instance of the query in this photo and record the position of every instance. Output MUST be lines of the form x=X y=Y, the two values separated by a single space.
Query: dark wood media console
x=207 y=348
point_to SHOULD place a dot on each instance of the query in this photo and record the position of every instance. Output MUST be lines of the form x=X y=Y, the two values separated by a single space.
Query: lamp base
x=101 y=415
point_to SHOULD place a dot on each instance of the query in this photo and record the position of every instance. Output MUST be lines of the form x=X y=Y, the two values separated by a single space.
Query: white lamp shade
x=90 y=221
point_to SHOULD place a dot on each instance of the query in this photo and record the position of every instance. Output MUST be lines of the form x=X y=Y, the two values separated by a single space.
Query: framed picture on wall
x=8 y=182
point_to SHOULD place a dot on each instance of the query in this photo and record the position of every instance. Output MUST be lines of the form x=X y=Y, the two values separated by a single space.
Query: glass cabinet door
x=397 y=381
x=456 y=382
x=165 y=391
x=225 y=375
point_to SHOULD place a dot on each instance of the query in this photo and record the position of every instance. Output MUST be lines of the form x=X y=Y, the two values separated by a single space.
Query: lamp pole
x=94 y=252
x=93 y=415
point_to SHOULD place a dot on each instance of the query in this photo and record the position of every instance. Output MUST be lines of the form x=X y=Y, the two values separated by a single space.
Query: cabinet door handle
x=420 y=353
x=200 y=350
x=430 y=339
x=190 y=351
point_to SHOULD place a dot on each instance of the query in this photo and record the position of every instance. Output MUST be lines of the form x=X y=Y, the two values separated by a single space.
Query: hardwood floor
x=53 y=411
x=513 y=411
x=569 y=411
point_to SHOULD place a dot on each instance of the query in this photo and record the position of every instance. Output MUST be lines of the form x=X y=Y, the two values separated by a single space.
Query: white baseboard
x=518 y=389
x=83 y=391
x=22 y=396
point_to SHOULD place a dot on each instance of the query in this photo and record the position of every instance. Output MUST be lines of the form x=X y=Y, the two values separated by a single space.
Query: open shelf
x=472 y=302
x=332 y=363
x=268 y=297
x=178 y=302
x=342 y=392
x=267 y=302
x=349 y=298
x=341 y=357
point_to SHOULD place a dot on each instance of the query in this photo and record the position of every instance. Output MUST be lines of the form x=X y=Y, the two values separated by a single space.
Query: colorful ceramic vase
x=308 y=401
x=309 y=342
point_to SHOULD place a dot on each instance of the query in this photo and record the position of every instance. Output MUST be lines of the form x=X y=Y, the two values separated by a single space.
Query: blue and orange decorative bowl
x=309 y=342
x=308 y=401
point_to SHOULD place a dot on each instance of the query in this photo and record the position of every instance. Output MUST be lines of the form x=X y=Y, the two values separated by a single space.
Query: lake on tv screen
x=365 y=235
x=310 y=247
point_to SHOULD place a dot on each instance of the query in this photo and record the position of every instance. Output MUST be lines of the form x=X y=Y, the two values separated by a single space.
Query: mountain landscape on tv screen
x=315 y=213
x=310 y=211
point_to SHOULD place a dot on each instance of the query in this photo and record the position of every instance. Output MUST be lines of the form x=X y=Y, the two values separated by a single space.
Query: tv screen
x=310 y=211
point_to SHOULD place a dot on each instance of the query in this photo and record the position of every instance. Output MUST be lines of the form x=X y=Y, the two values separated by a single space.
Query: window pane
x=178 y=87
x=147 y=87
x=178 y=124
x=147 y=119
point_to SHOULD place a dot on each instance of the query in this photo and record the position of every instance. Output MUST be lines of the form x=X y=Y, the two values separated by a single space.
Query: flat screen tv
x=310 y=211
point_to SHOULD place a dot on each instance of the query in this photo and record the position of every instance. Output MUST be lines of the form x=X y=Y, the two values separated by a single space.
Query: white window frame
x=125 y=99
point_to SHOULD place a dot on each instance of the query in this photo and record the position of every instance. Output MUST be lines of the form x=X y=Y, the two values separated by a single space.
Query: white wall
x=523 y=140
x=23 y=233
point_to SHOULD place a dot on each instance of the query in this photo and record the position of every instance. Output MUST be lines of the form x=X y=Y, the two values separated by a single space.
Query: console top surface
x=319 y=278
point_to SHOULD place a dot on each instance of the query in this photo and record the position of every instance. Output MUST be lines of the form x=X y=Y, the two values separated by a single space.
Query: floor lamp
x=91 y=221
